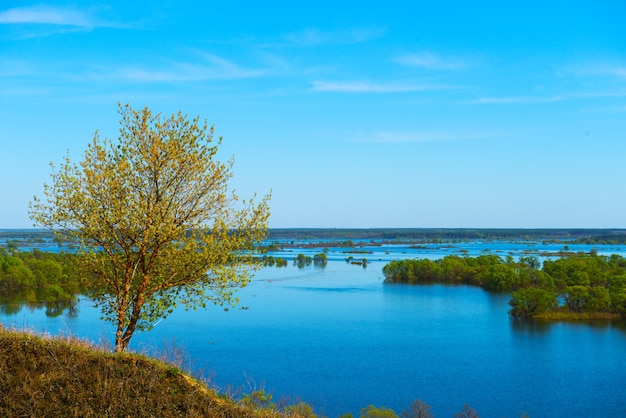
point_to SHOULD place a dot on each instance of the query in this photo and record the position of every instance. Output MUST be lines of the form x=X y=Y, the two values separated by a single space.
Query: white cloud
x=430 y=61
x=547 y=99
x=316 y=37
x=212 y=68
x=601 y=69
x=367 y=87
x=48 y=15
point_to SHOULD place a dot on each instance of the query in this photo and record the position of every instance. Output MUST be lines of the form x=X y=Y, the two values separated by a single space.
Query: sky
x=447 y=114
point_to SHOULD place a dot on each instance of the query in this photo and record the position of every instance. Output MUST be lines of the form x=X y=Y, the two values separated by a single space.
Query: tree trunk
x=122 y=337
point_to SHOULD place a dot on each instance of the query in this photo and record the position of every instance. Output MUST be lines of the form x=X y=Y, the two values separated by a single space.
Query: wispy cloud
x=210 y=68
x=43 y=20
x=368 y=87
x=600 y=69
x=620 y=92
x=49 y=15
x=516 y=100
x=314 y=37
x=417 y=137
x=430 y=61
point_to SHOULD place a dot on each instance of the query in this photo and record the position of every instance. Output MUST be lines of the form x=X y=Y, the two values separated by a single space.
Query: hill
x=66 y=377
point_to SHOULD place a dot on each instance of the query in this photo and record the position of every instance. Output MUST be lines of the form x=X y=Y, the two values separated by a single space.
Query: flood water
x=340 y=339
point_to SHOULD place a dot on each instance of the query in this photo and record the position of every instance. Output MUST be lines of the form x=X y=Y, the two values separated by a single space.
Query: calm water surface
x=339 y=339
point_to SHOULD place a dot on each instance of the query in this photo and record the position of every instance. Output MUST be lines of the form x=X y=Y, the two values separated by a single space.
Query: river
x=340 y=339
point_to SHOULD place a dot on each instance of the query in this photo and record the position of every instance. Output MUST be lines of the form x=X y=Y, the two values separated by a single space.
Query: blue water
x=339 y=339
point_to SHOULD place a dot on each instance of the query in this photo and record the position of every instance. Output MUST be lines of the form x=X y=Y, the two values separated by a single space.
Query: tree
x=302 y=260
x=532 y=301
x=373 y=412
x=467 y=412
x=418 y=409
x=576 y=298
x=599 y=299
x=320 y=259
x=154 y=219
x=499 y=277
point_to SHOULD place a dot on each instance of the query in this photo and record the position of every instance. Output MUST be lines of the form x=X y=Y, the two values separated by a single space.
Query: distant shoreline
x=617 y=234
x=449 y=233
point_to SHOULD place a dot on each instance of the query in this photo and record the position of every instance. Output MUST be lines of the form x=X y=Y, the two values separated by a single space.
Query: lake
x=340 y=339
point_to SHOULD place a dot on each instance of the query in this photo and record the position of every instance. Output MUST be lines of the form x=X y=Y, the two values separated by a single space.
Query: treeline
x=582 y=286
x=445 y=234
x=39 y=277
x=300 y=260
x=615 y=238
x=27 y=235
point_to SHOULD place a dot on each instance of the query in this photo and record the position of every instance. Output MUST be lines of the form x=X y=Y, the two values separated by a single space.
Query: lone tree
x=155 y=220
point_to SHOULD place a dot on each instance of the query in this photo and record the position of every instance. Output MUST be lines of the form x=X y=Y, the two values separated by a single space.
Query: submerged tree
x=418 y=409
x=156 y=222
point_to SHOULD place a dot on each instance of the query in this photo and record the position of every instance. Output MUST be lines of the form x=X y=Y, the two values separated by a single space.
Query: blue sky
x=395 y=114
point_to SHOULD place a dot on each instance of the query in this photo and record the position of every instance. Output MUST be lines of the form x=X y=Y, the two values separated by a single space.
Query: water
x=339 y=339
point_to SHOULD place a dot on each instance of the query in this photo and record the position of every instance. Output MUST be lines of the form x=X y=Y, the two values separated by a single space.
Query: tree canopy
x=575 y=287
x=155 y=220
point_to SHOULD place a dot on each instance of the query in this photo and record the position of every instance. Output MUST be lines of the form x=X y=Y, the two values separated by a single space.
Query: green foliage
x=269 y=261
x=155 y=220
x=373 y=412
x=39 y=277
x=499 y=277
x=257 y=399
x=320 y=259
x=300 y=409
x=302 y=260
x=588 y=284
x=598 y=299
x=281 y=262
x=576 y=297
x=12 y=246
x=531 y=301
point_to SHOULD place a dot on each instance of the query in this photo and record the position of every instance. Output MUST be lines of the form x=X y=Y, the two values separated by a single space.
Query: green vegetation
x=270 y=261
x=357 y=262
x=320 y=259
x=38 y=277
x=582 y=286
x=448 y=234
x=155 y=221
x=274 y=246
x=302 y=260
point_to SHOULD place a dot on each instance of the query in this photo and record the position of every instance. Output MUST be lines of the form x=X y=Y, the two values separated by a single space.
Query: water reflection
x=538 y=327
x=12 y=303
x=529 y=326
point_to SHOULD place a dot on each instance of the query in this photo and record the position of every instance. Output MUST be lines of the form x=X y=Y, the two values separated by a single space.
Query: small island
x=583 y=286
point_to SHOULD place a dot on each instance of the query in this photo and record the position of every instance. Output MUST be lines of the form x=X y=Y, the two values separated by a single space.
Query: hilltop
x=43 y=376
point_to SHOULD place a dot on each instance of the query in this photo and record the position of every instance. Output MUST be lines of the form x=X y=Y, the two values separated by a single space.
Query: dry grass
x=66 y=377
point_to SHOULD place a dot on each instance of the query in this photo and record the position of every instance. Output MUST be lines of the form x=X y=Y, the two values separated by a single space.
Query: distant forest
x=591 y=236
x=586 y=236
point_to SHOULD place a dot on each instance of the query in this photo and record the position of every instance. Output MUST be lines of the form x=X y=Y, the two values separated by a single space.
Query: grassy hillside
x=65 y=377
